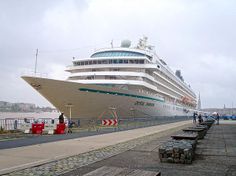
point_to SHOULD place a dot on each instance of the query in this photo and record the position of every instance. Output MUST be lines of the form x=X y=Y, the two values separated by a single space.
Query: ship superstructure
x=133 y=80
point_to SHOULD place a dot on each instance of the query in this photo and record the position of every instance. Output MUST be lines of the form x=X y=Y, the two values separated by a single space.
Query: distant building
x=221 y=111
x=5 y=104
x=22 y=107
x=26 y=106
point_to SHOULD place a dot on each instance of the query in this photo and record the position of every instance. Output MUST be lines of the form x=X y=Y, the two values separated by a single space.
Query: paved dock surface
x=216 y=154
x=89 y=149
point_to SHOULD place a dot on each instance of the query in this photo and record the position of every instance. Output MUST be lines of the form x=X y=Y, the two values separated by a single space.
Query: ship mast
x=36 y=59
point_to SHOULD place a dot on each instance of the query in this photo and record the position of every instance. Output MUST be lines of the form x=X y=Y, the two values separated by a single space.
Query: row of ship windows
x=116 y=53
x=105 y=77
x=174 y=108
x=159 y=85
x=130 y=78
x=115 y=77
x=171 y=80
x=114 y=61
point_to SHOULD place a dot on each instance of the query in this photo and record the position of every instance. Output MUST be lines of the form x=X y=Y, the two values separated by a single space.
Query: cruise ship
x=119 y=82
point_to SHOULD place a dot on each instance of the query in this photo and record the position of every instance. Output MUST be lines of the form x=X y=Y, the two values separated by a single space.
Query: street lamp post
x=69 y=105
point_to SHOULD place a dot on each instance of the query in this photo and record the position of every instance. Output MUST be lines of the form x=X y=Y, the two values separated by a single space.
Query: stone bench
x=177 y=151
x=186 y=135
x=200 y=131
x=201 y=126
x=191 y=137
x=115 y=171
x=209 y=123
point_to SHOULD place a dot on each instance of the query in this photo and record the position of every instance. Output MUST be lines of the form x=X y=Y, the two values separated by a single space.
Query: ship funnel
x=125 y=43
x=178 y=74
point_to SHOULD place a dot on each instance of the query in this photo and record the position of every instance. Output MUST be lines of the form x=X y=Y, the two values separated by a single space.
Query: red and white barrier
x=110 y=122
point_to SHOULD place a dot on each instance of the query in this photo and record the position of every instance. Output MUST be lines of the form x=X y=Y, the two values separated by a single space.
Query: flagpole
x=36 y=60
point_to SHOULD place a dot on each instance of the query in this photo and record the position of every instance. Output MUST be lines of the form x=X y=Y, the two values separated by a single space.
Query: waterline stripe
x=120 y=94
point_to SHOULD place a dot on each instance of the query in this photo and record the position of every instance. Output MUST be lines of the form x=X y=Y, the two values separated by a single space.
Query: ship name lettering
x=139 y=103
x=149 y=104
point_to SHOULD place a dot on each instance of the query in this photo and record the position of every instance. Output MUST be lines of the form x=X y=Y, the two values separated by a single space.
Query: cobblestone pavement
x=215 y=155
x=71 y=163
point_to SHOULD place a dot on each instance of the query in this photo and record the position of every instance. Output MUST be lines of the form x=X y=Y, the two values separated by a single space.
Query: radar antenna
x=112 y=43
x=142 y=44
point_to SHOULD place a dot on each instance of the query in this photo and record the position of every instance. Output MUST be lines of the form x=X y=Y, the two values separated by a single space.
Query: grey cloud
x=197 y=37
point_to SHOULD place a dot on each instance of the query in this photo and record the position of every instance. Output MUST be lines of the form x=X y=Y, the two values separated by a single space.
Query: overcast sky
x=196 y=36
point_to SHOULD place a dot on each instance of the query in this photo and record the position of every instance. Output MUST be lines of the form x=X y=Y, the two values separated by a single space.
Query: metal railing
x=126 y=123
x=32 y=73
x=14 y=123
x=94 y=124
x=9 y=124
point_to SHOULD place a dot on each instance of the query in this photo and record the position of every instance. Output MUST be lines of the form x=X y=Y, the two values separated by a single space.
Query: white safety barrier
x=26 y=127
x=49 y=128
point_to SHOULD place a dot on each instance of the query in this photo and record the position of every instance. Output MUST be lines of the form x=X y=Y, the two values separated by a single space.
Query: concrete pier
x=29 y=156
x=215 y=155
x=135 y=149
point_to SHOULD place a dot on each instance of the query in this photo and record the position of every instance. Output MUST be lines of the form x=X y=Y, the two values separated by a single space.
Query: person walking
x=70 y=125
x=217 y=119
x=61 y=118
x=199 y=118
x=194 y=117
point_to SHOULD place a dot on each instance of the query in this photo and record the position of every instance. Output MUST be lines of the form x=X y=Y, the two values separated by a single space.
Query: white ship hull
x=90 y=101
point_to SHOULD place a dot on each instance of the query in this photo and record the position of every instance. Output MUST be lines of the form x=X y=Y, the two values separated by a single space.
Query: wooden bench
x=118 y=171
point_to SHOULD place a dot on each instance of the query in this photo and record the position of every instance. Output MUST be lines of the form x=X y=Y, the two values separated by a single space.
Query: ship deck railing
x=32 y=73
